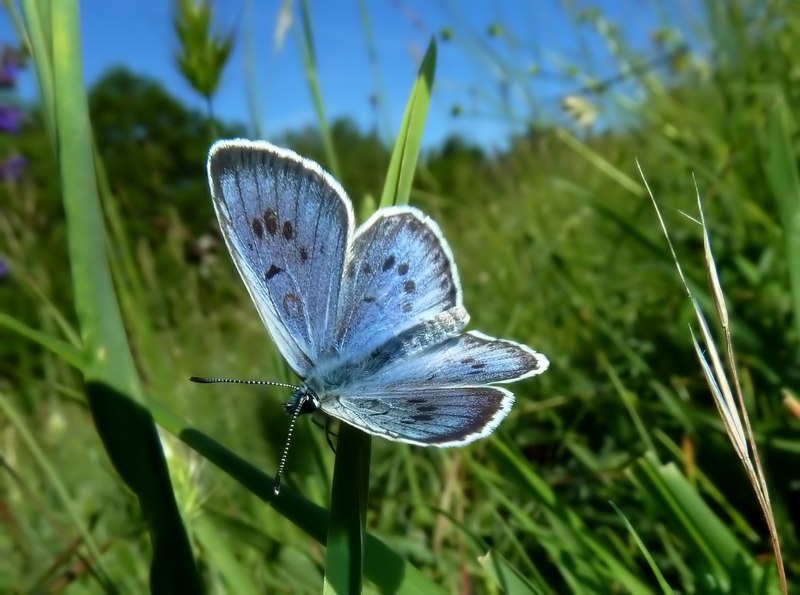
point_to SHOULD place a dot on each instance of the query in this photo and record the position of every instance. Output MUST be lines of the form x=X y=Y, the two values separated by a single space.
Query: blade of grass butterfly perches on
x=370 y=319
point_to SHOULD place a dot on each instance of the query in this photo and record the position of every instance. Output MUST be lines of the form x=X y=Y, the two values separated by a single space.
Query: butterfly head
x=303 y=400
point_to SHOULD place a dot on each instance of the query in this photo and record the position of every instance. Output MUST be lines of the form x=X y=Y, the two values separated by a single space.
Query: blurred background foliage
x=557 y=246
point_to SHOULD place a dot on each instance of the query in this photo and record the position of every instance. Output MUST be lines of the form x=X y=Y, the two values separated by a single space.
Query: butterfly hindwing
x=287 y=225
x=436 y=395
x=401 y=273
x=427 y=415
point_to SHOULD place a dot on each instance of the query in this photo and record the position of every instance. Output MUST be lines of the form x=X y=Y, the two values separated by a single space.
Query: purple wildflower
x=10 y=119
x=11 y=169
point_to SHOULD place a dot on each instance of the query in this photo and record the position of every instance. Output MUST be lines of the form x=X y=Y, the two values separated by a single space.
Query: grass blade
x=56 y=483
x=344 y=556
x=397 y=188
x=372 y=54
x=382 y=566
x=662 y=582
x=781 y=170
x=710 y=537
x=59 y=347
x=728 y=396
x=572 y=528
x=221 y=556
x=115 y=399
x=505 y=576
x=310 y=64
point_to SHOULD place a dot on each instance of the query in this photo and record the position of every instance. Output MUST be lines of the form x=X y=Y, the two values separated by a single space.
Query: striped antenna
x=301 y=403
x=203 y=380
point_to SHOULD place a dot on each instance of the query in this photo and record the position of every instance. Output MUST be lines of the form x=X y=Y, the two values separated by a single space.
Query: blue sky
x=140 y=36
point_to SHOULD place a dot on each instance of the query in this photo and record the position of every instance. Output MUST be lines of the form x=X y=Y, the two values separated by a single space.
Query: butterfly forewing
x=287 y=225
x=401 y=273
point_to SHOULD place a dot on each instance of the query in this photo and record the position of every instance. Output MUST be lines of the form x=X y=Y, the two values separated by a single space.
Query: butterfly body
x=370 y=319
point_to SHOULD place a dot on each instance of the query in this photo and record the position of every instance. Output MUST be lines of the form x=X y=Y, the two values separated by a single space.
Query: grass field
x=614 y=472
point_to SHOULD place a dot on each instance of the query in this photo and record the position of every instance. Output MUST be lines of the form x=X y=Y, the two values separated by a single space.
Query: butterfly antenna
x=202 y=380
x=276 y=488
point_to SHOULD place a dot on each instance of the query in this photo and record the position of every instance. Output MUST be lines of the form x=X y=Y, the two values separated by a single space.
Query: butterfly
x=370 y=319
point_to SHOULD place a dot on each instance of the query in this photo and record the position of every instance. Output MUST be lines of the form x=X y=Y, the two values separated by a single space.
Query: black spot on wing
x=409 y=286
x=288 y=230
x=271 y=221
x=402 y=269
x=303 y=254
x=258 y=227
x=273 y=270
x=389 y=263
x=407 y=307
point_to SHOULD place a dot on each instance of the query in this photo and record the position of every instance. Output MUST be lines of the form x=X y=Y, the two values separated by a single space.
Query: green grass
x=613 y=473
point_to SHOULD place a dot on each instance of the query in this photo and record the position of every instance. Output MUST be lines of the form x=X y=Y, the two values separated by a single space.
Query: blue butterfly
x=370 y=319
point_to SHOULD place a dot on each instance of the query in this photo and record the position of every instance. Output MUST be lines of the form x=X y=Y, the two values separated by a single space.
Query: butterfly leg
x=329 y=432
